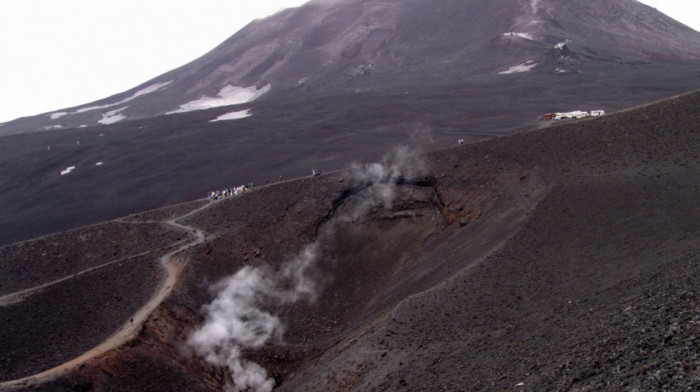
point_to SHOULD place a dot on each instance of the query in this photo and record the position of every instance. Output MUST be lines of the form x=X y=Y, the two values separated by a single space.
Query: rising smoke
x=236 y=319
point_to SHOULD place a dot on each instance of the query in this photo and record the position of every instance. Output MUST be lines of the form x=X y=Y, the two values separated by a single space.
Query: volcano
x=535 y=256
x=360 y=45
x=331 y=83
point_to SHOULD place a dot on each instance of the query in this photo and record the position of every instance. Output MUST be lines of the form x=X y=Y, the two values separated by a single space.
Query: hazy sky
x=61 y=53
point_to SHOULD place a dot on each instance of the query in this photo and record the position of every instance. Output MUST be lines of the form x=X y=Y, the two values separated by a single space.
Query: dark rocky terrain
x=538 y=256
x=349 y=80
x=564 y=258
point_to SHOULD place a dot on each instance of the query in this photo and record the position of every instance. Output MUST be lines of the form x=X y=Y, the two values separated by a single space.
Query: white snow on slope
x=57 y=115
x=524 y=67
x=147 y=90
x=233 y=115
x=560 y=45
x=112 y=116
x=67 y=170
x=229 y=95
x=520 y=35
x=50 y=127
x=98 y=164
x=150 y=89
x=90 y=108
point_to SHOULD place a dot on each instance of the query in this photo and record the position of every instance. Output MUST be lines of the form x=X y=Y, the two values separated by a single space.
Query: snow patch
x=561 y=45
x=91 y=108
x=98 y=164
x=560 y=70
x=83 y=126
x=57 y=115
x=524 y=67
x=233 y=115
x=112 y=116
x=147 y=90
x=519 y=35
x=67 y=170
x=50 y=127
x=229 y=95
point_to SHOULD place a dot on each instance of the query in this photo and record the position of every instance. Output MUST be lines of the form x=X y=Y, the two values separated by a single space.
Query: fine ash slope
x=565 y=258
x=374 y=72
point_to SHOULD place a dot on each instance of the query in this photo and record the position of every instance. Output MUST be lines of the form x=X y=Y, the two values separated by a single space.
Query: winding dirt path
x=170 y=262
x=20 y=295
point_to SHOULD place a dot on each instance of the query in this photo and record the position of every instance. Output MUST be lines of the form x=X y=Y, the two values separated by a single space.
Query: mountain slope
x=330 y=83
x=563 y=258
x=377 y=44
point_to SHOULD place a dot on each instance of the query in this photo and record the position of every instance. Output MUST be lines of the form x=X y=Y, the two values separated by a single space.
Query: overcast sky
x=62 y=53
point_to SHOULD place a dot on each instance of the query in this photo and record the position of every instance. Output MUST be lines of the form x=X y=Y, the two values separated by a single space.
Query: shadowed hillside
x=560 y=258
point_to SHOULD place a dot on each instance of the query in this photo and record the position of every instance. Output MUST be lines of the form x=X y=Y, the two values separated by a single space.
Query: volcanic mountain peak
x=380 y=44
x=627 y=26
x=339 y=44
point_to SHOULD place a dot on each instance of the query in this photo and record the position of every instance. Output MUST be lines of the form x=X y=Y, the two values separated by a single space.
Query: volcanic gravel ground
x=32 y=263
x=512 y=318
x=67 y=319
x=564 y=258
x=163 y=214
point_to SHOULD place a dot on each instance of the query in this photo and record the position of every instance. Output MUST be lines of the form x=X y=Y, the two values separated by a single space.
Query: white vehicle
x=574 y=114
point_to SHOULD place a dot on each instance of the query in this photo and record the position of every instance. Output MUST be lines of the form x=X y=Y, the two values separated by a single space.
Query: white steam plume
x=236 y=319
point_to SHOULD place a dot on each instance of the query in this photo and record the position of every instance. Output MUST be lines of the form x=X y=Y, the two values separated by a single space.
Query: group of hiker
x=235 y=191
